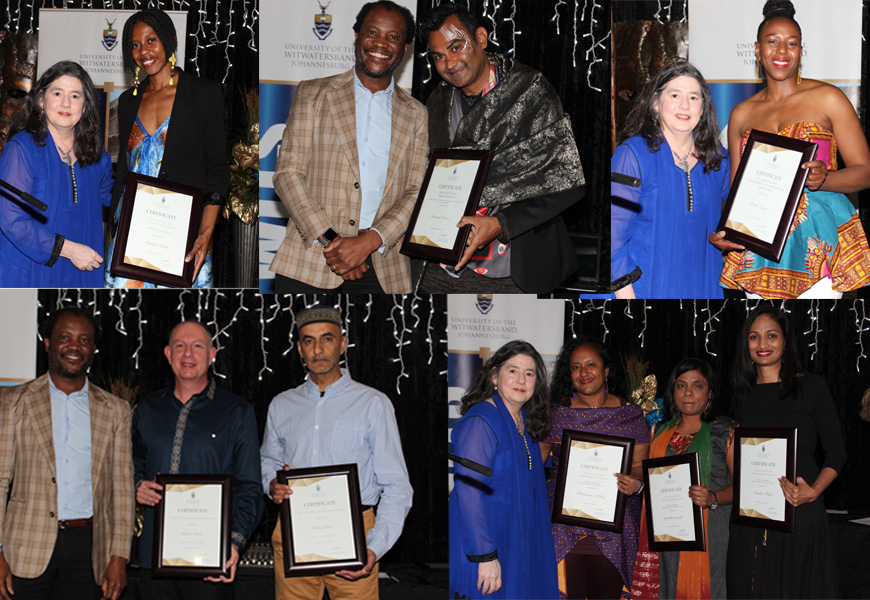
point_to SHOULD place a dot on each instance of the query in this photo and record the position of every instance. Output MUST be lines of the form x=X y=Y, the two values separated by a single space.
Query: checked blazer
x=28 y=522
x=317 y=178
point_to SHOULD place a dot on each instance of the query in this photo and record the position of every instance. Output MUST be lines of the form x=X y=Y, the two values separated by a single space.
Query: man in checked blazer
x=350 y=166
x=66 y=529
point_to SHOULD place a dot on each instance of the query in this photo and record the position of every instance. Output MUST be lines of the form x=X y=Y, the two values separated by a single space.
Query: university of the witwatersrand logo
x=110 y=36
x=484 y=303
x=323 y=22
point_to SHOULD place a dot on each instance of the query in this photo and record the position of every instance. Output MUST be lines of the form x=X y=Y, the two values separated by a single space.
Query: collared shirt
x=71 y=433
x=214 y=432
x=348 y=423
x=374 y=122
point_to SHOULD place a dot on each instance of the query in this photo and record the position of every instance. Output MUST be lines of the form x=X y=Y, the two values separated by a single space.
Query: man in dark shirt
x=193 y=427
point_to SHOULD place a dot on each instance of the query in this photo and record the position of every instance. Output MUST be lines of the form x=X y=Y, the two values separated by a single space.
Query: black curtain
x=237 y=67
x=538 y=45
x=832 y=336
x=396 y=344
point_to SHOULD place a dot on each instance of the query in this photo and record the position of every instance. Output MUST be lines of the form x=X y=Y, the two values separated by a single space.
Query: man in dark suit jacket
x=69 y=521
x=518 y=240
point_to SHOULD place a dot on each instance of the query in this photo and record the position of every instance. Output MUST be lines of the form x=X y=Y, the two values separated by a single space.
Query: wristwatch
x=715 y=504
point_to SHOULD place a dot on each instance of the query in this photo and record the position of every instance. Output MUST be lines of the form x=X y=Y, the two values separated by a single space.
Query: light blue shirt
x=71 y=432
x=349 y=423
x=374 y=124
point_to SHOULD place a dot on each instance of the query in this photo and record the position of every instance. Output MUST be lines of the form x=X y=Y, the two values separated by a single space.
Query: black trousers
x=182 y=589
x=70 y=572
x=367 y=284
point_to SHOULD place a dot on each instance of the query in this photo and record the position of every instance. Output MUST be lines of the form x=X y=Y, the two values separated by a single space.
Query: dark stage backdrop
x=572 y=53
x=221 y=45
x=396 y=344
x=834 y=339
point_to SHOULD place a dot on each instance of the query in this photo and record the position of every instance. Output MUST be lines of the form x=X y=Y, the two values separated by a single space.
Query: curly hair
x=434 y=19
x=88 y=136
x=745 y=373
x=538 y=406
x=684 y=366
x=775 y=9
x=561 y=386
x=157 y=20
x=47 y=327
x=410 y=28
x=643 y=119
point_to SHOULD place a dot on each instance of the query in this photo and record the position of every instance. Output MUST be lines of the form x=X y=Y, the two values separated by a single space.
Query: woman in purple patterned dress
x=593 y=563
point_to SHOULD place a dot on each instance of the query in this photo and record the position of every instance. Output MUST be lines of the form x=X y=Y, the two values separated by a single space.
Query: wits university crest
x=323 y=22
x=110 y=36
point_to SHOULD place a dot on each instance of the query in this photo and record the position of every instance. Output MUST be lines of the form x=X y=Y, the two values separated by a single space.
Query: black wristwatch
x=328 y=236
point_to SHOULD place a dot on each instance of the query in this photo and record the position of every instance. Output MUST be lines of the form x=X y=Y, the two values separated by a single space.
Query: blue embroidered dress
x=29 y=239
x=144 y=155
x=657 y=229
x=507 y=513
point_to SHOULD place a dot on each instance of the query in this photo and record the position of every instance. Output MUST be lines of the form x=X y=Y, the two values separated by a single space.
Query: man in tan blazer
x=343 y=234
x=68 y=523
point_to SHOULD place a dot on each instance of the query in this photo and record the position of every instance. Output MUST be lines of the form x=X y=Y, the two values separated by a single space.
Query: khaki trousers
x=311 y=588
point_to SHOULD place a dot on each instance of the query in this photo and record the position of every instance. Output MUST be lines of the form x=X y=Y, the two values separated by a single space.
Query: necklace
x=683 y=163
x=589 y=405
x=65 y=156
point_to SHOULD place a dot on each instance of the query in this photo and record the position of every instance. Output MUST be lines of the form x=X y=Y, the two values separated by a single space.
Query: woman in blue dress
x=55 y=153
x=501 y=543
x=171 y=127
x=659 y=230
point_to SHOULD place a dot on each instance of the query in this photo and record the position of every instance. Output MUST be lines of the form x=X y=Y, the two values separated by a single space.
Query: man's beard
x=55 y=365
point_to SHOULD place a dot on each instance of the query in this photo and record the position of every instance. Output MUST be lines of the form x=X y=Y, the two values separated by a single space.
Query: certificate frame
x=417 y=245
x=224 y=522
x=293 y=566
x=741 y=515
x=688 y=460
x=740 y=192
x=561 y=513
x=137 y=183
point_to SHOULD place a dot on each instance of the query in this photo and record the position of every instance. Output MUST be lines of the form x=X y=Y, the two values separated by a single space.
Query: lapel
x=38 y=411
x=181 y=115
x=100 y=416
x=402 y=122
x=342 y=109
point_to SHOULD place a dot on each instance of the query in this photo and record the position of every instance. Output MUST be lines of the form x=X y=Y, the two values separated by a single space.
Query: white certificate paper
x=321 y=519
x=157 y=238
x=590 y=487
x=763 y=191
x=192 y=525
x=762 y=463
x=444 y=203
x=672 y=511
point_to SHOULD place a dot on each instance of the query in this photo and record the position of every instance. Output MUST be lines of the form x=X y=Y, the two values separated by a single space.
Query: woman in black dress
x=772 y=391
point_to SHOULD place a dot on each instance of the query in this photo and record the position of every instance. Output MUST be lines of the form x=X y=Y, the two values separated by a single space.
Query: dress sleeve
x=624 y=207
x=474 y=439
x=828 y=425
x=30 y=232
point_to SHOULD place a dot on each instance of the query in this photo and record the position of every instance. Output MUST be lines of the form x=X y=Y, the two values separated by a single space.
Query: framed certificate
x=192 y=526
x=159 y=224
x=761 y=457
x=674 y=522
x=586 y=490
x=321 y=521
x=765 y=193
x=451 y=190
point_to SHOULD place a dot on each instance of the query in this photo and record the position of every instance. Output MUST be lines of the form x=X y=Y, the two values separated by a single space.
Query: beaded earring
x=172 y=69
x=136 y=82
x=799 y=75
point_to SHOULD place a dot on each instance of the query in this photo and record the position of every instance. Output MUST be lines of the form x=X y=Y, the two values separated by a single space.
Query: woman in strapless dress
x=826 y=252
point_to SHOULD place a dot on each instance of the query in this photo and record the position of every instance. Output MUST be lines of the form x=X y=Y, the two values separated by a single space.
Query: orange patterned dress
x=826 y=239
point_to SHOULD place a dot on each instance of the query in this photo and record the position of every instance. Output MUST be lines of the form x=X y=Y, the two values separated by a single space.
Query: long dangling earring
x=136 y=82
x=708 y=408
x=172 y=69
x=799 y=75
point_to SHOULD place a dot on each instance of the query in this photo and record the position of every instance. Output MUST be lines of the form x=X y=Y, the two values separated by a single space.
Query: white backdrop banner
x=722 y=35
x=478 y=325
x=300 y=40
x=18 y=331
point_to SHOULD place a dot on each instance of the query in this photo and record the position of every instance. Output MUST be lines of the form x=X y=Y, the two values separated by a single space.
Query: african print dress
x=144 y=155
x=826 y=239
